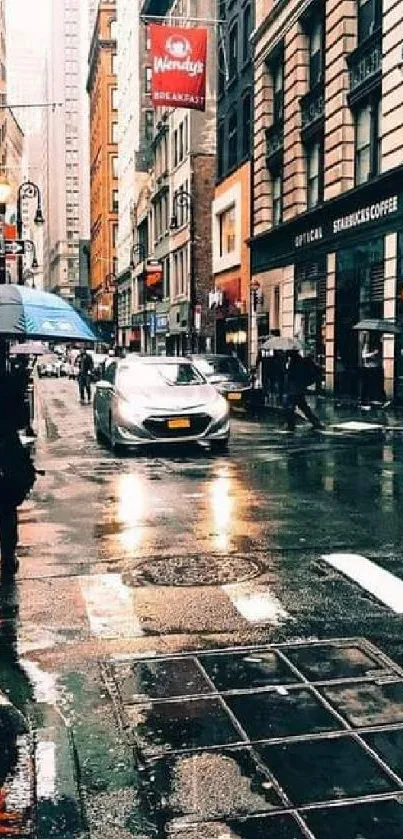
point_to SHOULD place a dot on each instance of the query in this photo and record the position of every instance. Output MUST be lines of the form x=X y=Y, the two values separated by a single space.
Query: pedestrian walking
x=85 y=365
x=372 y=380
x=301 y=373
x=17 y=472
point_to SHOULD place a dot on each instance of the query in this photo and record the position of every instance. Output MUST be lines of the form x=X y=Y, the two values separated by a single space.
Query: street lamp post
x=111 y=285
x=27 y=190
x=183 y=200
x=140 y=250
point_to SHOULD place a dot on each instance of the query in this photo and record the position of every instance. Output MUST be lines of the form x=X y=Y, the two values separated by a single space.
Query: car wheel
x=100 y=437
x=220 y=446
x=115 y=447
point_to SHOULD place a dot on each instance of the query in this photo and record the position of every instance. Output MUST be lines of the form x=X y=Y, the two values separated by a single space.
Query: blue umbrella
x=30 y=313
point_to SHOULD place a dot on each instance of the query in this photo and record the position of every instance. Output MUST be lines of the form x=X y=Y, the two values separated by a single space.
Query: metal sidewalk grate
x=286 y=741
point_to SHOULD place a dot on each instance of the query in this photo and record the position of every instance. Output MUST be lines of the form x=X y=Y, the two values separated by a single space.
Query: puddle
x=236 y=671
x=163 y=726
x=269 y=715
x=325 y=770
x=383 y=820
x=159 y=679
x=389 y=745
x=368 y=704
x=322 y=663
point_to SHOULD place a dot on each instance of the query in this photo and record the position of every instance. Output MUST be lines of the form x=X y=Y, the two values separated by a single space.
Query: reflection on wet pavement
x=179 y=552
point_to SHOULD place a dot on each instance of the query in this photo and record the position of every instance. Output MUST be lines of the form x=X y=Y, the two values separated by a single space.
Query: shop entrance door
x=359 y=295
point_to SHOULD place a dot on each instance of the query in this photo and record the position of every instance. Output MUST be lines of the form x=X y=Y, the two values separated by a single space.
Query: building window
x=233 y=51
x=278 y=92
x=113 y=30
x=220 y=149
x=363 y=145
x=232 y=139
x=114 y=99
x=227 y=231
x=148 y=77
x=315 y=53
x=221 y=71
x=175 y=150
x=149 y=125
x=115 y=170
x=246 y=124
x=115 y=133
x=114 y=64
x=180 y=143
x=367 y=141
x=314 y=175
x=277 y=187
x=246 y=32
x=369 y=18
x=115 y=201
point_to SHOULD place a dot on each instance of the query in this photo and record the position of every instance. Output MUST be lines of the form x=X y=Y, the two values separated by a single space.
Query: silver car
x=158 y=400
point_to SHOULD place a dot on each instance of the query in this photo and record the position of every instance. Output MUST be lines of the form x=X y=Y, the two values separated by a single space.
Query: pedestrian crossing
x=107 y=606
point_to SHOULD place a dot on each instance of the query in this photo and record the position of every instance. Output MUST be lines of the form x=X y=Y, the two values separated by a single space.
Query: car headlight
x=219 y=407
x=127 y=413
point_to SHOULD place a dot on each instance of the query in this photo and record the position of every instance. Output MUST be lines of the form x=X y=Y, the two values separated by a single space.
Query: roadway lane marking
x=110 y=607
x=382 y=584
x=256 y=603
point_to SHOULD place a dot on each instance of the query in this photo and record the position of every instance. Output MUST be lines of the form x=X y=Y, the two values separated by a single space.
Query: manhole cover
x=195 y=571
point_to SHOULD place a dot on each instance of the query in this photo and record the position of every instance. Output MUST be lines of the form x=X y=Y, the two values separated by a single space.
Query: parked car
x=228 y=375
x=49 y=366
x=158 y=400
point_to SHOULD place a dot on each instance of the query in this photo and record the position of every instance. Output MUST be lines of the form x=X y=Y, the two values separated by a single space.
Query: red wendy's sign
x=179 y=67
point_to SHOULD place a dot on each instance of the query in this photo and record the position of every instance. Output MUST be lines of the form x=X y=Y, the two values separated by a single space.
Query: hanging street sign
x=179 y=67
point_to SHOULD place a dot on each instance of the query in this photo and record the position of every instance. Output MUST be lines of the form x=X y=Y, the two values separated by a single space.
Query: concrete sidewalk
x=334 y=413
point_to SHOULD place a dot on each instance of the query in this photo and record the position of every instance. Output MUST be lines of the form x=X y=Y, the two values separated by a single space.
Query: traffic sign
x=16 y=247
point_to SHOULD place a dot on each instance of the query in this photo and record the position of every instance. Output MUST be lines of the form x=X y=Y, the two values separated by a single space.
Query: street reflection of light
x=223 y=510
x=130 y=511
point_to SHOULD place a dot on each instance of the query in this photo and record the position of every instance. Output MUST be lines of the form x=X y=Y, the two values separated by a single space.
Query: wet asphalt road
x=132 y=565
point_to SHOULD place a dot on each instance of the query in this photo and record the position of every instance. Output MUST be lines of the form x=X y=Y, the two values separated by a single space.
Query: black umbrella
x=378 y=325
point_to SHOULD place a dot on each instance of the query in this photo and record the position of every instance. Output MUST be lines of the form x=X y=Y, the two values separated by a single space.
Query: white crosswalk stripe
x=256 y=603
x=110 y=606
x=382 y=584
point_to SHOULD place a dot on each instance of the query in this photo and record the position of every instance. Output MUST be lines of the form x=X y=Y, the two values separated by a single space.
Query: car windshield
x=133 y=377
x=222 y=366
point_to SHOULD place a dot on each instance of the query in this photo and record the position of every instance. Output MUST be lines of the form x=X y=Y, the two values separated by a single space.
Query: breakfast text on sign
x=179 y=67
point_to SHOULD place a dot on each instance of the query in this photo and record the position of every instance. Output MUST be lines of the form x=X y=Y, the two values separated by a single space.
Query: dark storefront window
x=310 y=308
x=399 y=319
x=220 y=149
x=359 y=295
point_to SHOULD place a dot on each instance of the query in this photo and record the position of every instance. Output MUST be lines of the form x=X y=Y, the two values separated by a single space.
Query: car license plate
x=234 y=397
x=180 y=422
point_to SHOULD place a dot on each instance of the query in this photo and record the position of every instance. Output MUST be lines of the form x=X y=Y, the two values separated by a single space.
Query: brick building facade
x=102 y=89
